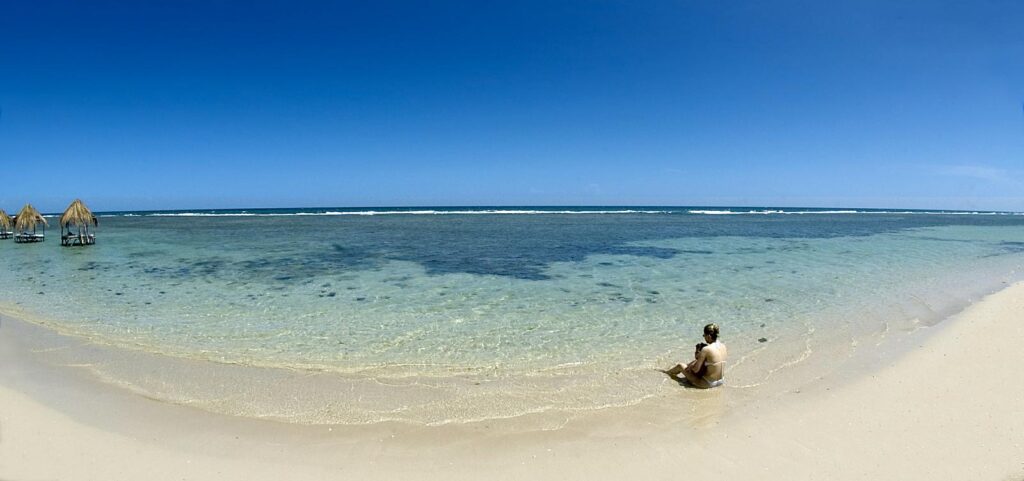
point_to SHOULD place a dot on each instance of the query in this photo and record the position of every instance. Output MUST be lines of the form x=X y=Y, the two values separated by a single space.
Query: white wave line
x=834 y=212
x=557 y=212
x=378 y=213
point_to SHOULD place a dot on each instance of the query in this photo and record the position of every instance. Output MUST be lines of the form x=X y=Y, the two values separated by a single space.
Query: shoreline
x=318 y=397
x=850 y=424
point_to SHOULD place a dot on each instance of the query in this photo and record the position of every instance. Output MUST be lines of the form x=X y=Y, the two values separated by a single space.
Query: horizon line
x=499 y=207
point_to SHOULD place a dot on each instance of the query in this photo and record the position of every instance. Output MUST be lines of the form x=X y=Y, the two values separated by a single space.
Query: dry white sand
x=949 y=406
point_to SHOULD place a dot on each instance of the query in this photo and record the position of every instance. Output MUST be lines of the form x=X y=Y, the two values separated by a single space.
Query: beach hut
x=25 y=224
x=6 y=224
x=77 y=216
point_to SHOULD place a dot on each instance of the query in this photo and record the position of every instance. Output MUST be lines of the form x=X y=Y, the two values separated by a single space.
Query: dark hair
x=700 y=345
x=711 y=330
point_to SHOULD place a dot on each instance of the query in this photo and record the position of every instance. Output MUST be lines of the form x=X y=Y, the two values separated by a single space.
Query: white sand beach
x=942 y=402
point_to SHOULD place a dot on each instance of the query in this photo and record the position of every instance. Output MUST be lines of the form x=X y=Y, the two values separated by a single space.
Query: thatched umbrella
x=79 y=215
x=28 y=218
x=5 y=222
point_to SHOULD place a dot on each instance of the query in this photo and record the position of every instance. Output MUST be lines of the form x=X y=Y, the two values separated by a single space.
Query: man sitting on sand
x=707 y=370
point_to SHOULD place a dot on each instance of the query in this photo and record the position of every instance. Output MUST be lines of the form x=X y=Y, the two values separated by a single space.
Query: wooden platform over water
x=23 y=237
x=78 y=240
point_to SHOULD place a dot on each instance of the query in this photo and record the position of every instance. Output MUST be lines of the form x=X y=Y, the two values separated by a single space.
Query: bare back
x=715 y=355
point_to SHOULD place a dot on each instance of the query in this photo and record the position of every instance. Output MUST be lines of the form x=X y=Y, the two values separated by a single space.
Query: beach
x=433 y=345
x=437 y=241
x=938 y=403
x=440 y=317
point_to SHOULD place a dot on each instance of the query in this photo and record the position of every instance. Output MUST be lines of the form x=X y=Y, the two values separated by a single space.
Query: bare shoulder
x=720 y=351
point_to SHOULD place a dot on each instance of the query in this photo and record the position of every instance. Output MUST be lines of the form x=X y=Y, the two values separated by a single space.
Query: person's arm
x=699 y=362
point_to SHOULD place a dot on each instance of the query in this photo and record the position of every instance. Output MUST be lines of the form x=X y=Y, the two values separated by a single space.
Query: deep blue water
x=514 y=245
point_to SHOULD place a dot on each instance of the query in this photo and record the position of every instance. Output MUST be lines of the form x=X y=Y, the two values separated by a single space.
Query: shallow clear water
x=553 y=311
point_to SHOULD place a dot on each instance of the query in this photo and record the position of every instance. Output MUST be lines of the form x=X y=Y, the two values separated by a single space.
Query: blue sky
x=143 y=105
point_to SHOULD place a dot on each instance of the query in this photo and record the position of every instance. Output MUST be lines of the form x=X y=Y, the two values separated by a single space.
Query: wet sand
x=938 y=403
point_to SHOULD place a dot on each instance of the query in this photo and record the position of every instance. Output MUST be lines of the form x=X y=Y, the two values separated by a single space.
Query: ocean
x=454 y=315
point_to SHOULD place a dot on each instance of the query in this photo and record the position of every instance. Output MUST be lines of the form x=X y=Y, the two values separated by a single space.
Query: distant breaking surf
x=407 y=212
x=668 y=211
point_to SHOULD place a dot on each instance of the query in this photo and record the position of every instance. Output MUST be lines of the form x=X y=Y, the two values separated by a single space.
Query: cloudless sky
x=214 y=104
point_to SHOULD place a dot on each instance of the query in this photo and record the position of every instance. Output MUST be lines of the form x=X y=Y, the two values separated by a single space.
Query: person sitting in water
x=696 y=354
x=708 y=369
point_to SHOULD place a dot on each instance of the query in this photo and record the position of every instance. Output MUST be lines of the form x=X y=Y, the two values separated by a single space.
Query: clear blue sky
x=143 y=105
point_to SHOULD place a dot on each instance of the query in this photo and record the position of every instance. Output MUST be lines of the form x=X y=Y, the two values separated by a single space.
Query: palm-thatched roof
x=78 y=214
x=27 y=219
x=5 y=221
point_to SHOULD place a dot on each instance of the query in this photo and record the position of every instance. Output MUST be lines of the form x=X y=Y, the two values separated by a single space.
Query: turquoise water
x=554 y=309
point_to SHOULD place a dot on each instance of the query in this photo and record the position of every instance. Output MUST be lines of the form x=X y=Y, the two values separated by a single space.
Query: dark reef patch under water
x=291 y=249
